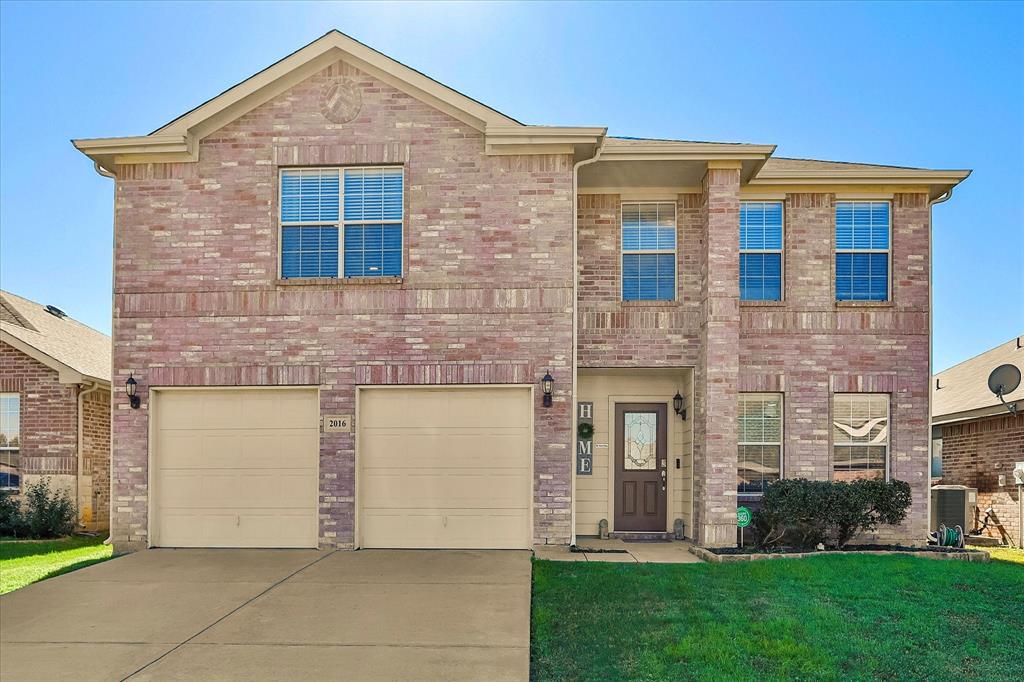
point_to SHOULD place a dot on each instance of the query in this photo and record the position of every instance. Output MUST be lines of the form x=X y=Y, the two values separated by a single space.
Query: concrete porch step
x=637 y=536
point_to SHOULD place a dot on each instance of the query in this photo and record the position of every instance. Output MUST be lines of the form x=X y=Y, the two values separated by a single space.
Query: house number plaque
x=584 y=439
x=337 y=423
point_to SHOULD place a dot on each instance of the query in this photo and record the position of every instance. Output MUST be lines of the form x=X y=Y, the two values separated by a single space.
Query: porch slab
x=617 y=551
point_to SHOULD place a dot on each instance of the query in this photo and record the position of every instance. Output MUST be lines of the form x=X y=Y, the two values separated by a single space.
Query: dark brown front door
x=641 y=461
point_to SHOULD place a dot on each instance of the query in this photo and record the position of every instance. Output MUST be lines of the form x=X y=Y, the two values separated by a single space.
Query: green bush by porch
x=835 y=617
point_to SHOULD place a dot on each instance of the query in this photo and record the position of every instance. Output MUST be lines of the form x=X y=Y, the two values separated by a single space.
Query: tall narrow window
x=341 y=220
x=760 y=442
x=862 y=250
x=761 y=251
x=860 y=435
x=649 y=251
x=10 y=441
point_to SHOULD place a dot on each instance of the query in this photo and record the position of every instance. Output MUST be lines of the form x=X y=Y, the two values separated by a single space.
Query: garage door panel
x=236 y=468
x=246 y=528
x=448 y=529
x=445 y=467
x=391 y=449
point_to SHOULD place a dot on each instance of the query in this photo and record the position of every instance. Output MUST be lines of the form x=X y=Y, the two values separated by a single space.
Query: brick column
x=717 y=380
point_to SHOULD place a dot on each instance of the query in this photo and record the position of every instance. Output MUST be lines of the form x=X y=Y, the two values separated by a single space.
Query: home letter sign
x=585 y=439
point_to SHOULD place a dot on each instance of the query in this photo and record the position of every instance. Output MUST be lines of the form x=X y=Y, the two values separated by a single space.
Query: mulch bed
x=730 y=554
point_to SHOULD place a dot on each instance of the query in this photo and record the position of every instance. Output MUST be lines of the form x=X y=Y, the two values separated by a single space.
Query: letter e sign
x=337 y=423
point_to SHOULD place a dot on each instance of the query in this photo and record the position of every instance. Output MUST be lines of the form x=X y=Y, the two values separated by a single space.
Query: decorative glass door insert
x=641 y=440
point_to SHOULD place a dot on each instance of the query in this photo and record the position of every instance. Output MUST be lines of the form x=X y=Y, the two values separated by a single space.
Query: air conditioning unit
x=953 y=505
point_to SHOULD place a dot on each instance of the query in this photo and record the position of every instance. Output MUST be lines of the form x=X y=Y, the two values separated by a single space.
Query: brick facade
x=485 y=297
x=975 y=453
x=49 y=431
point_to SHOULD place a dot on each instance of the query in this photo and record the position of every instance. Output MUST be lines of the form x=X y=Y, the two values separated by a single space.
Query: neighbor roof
x=962 y=391
x=78 y=352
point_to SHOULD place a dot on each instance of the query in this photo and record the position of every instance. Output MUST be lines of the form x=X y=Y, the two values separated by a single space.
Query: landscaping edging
x=968 y=555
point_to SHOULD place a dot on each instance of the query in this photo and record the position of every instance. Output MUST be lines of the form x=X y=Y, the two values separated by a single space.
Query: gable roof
x=78 y=352
x=178 y=140
x=963 y=389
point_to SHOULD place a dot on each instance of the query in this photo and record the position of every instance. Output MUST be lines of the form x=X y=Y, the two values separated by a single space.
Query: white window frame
x=781 y=251
x=674 y=251
x=340 y=223
x=7 y=448
x=781 y=443
x=888 y=434
x=888 y=268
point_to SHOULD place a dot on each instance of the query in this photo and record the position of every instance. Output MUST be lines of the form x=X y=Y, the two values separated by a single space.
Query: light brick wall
x=486 y=296
x=975 y=453
x=94 y=505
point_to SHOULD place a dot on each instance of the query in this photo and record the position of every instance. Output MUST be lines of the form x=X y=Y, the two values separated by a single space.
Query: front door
x=641 y=462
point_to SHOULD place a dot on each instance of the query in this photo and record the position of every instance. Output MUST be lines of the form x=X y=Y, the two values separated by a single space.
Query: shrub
x=801 y=513
x=11 y=523
x=45 y=513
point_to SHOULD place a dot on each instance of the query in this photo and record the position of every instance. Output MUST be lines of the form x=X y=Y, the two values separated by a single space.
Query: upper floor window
x=649 y=251
x=860 y=435
x=760 y=442
x=341 y=217
x=862 y=250
x=761 y=251
x=10 y=441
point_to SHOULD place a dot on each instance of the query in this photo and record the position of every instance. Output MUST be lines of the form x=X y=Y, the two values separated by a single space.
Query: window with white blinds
x=860 y=435
x=761 y=251
x=862 y=250
x=346 y=220
x=649 y=251
x=760 y=442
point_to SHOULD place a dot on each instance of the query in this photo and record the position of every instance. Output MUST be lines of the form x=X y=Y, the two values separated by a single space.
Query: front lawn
x=1010 y=554
x=23 y=562
x=822 y=618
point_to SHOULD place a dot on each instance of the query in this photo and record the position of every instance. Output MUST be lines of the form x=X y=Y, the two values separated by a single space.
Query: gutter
x=81 y=445
x=575 y=323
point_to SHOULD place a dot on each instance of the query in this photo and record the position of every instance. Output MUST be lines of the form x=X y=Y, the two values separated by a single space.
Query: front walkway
x=275 y=614
x=619 y=551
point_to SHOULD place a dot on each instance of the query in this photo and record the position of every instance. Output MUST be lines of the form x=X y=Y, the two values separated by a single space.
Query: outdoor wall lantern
x=677 y=405
x=547 y=384
x=130 y=388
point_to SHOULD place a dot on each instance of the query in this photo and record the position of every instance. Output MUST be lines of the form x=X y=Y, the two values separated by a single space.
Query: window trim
x=888 y=438
x=781 y=443
x=6 y=448
x=836 y=250
x=674 y=251
x=781 y=251
x=340 y=223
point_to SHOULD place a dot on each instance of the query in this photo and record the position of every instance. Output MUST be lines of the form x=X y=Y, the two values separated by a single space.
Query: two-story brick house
x=341 y=285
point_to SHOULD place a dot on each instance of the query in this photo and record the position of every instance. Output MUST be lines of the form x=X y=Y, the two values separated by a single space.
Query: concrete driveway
x=182 y=614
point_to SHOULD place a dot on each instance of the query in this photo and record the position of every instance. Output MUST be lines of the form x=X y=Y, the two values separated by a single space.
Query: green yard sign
x=742 y=517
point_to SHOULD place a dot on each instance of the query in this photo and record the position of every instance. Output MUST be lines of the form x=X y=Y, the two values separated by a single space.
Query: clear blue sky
x=931 y=85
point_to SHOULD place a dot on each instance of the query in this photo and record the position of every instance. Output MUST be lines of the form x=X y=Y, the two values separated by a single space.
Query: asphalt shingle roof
x=964 y=387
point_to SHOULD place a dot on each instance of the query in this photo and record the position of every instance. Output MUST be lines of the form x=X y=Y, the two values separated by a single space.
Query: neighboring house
x=340 y=284
x=55 y=405
x=976 y=441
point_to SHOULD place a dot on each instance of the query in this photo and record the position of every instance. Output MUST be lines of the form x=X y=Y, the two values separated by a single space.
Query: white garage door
x=445 y=467
x=235 y=468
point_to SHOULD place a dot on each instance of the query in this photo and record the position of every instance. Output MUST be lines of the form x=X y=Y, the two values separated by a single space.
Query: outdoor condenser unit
x=953 y=505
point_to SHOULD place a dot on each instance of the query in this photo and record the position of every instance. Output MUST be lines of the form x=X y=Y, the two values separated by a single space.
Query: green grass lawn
x=1012 y=555
x=823 y=618
x=23 y=562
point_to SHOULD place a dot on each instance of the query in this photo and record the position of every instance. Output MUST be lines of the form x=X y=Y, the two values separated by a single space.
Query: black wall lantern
x=130 y=388
x=547 y=384
x=677 y=405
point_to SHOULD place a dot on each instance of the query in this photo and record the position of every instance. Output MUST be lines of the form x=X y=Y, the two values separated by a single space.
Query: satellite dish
x=1004 y=379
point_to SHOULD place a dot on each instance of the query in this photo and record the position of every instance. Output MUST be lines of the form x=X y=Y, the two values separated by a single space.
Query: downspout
x=81 y=447
x=110 y=466
x=575 y=323
x=942 y=198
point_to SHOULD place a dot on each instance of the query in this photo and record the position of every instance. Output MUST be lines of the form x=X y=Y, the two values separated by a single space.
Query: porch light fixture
x=130 y=388
x=677 y=405
x=547 y=384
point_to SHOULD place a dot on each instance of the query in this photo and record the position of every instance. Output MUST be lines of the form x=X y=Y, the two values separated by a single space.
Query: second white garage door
x=235 y=468
x=445 y=467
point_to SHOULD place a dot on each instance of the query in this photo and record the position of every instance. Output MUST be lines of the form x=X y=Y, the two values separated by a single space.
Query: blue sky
x=931 y=85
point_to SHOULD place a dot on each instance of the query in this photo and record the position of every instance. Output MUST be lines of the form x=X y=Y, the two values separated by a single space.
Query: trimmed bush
x=800 y=513
x=42 y=514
